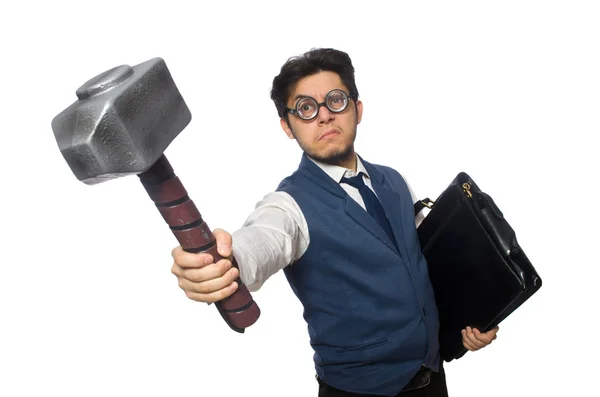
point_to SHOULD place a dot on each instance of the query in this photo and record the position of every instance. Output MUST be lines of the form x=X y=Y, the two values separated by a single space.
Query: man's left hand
x=473 y=339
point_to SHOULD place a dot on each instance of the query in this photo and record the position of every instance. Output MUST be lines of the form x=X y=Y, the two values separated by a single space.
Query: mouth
x=329 y=134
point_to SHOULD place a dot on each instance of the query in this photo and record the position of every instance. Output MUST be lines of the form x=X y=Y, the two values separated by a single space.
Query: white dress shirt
x=276 y=235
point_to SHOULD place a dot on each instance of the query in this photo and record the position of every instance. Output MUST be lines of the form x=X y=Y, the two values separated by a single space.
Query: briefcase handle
x=419 y=205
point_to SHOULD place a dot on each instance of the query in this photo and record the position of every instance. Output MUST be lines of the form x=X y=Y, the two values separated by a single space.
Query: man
x=343 y=231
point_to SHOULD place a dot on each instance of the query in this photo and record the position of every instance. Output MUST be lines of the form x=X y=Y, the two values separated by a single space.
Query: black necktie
x=372 y=203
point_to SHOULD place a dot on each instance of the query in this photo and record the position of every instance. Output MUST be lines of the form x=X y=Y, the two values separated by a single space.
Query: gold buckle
x=428 y=205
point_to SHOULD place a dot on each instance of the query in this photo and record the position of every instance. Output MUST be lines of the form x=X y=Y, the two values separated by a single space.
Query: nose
x=324 y=115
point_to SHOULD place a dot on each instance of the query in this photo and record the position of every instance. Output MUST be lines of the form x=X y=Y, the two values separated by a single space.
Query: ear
x=359 y=110
x=285 y=126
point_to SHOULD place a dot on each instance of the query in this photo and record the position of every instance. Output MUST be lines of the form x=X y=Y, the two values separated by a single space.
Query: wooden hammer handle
x=166 y=190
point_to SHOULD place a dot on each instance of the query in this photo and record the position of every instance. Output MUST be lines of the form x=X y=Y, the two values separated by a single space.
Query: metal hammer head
x=122 y=122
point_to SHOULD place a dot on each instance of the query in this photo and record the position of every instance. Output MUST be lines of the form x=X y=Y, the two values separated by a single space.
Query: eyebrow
x=299 y=96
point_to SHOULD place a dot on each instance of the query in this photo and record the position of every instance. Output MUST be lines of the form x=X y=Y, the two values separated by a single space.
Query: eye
x=306 y=107
x=337 y=100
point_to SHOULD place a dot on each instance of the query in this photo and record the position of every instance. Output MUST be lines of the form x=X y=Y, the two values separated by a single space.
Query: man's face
x=329 y=137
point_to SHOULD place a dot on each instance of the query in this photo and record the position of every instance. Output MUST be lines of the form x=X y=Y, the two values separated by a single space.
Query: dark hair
x=307 y=64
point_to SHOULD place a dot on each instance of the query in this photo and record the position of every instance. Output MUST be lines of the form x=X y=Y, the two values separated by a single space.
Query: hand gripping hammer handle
x=166 y=190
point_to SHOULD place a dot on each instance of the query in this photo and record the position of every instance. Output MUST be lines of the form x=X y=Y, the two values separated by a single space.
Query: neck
x=349 y=162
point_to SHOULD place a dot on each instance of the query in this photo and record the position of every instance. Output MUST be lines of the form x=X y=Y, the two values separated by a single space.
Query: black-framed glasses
x=307 y=108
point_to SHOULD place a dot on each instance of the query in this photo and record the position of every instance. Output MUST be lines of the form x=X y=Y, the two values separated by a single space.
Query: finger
x=486 y=338
x=224 y=242
x=208 y=272
x=209 y=286
x=213 y=296
x=473 y=339
x=466 y=342
x=491 y=331
x=190 y=260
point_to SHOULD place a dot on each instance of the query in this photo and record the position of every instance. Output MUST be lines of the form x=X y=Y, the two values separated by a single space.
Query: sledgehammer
x=121 y=124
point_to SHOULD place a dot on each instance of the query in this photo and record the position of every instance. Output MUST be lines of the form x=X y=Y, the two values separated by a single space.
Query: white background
x=506 y=91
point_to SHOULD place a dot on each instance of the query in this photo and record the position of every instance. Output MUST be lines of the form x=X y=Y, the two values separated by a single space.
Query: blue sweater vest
x=370 y=308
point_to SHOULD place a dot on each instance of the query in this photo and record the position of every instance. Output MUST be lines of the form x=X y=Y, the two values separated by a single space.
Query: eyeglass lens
x=336 y=101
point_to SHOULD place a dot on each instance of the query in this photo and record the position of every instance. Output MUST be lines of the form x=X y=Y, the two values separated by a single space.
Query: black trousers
x=435 y=388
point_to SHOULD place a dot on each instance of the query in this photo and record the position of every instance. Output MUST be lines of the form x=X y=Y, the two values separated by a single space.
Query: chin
x=333 y=156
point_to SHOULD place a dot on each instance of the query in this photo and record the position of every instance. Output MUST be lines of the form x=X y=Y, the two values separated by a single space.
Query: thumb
x=224 y=242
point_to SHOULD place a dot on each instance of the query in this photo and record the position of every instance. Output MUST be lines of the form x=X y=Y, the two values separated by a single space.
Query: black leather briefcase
x=480 y=274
